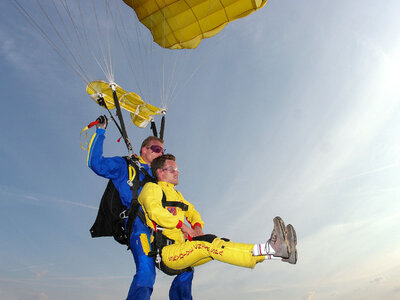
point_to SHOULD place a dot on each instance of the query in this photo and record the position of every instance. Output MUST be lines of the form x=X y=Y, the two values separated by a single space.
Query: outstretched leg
x=208 y=247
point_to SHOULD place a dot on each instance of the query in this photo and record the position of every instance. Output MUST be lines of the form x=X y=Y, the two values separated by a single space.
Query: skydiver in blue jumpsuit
x=116 y=169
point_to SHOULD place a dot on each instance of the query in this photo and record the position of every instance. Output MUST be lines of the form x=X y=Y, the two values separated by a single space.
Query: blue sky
x=293 y=112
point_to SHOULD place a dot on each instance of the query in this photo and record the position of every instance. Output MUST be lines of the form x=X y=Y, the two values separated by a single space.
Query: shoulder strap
x=134 y=162
x=135 y=184
x=165 y=203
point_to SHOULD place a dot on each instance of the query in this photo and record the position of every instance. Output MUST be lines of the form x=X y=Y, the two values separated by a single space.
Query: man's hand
x=198 y=231
x=103 y=122
x=187 y=231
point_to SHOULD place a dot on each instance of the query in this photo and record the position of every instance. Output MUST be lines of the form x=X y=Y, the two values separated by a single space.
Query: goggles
x=171 y=169
x=156 y=149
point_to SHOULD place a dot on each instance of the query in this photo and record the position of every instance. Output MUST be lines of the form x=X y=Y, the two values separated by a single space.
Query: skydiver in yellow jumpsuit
x=191 y=247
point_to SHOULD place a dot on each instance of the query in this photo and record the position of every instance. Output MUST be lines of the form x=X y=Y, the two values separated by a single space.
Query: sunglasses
x=156 y=149
x=171 y=169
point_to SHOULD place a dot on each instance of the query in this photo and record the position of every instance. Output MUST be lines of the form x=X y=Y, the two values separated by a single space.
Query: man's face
x=169 y=173
x=153 y=150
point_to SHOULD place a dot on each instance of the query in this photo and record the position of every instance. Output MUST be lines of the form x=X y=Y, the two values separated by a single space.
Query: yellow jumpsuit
x=184 y=253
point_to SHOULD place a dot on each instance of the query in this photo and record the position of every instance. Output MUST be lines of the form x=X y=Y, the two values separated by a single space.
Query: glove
x=103 y=122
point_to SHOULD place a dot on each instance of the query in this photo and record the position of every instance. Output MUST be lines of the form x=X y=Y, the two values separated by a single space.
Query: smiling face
x=169 y=173
x=154 y=149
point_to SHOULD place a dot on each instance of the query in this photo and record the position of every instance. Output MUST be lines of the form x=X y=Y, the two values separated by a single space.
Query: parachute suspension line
x=121 y=119
x=82 y=36
x=60 y=36
x=164 y=23
x=47 y=38
x=141 y=55
x=86 y=39
x=167 y=83
x=108 y=73
x=74 y=26
x=151 y=60
x=175 y=63
x=108 y=36
x=172 y=82
x=108 y=12
x=145 y=55
x=175 y=90
x=189 y=78
x=163 y=100
x=127 y=47
x=139 y=50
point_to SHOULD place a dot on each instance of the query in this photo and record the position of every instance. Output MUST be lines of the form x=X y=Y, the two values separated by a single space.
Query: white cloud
x=43 y=296
x=42 y=198
x=10 y=51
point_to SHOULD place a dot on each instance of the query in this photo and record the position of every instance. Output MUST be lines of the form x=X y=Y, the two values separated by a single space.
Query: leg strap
x=159 y=242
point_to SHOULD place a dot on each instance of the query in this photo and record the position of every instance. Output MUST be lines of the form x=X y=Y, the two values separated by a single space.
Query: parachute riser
x=121 y=119
x=162 y=127
x=153 y=127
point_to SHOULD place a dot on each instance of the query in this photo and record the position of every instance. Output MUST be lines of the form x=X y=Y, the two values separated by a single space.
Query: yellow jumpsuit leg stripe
x=195 y=253
x=145 y=243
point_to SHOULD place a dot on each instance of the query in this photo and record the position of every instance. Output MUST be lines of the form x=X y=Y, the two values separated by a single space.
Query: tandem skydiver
x=116 y=169
x=166 y=210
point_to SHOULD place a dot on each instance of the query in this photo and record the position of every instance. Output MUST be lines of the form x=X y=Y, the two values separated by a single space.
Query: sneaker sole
x=280 y=229
x=292 y=239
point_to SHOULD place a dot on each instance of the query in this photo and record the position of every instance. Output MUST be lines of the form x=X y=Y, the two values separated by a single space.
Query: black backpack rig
x=112 y=214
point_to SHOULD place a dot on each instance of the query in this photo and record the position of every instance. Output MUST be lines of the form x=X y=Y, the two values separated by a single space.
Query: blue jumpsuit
x=116 y=169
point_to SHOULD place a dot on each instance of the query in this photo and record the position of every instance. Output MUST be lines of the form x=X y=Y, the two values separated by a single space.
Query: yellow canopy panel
x=141 y=112
x=178 y=24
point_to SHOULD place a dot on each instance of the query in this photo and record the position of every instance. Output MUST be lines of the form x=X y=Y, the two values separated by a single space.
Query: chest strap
x=166 y=203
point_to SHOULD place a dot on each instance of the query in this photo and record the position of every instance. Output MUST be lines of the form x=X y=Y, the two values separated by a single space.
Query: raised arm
x=108 y=167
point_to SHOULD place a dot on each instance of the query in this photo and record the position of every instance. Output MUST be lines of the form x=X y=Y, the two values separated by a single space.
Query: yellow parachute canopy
x=178 y=24
x=141 y=112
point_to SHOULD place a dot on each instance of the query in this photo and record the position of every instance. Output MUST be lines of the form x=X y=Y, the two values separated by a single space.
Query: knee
x=145 y=271
x=145 y=276
x=185 y=277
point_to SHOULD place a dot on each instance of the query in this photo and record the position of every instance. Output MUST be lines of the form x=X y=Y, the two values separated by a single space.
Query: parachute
x=182 y=24
x=91 y=34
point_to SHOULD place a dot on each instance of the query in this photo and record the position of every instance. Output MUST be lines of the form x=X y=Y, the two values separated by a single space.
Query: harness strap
x=134 y=209
x=181 y=205
x=160 y=241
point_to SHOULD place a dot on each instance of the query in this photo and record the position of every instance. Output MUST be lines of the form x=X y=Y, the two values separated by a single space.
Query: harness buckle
x=159 y=228
x=123 y=215
x=130 y=183
x=157 y=260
